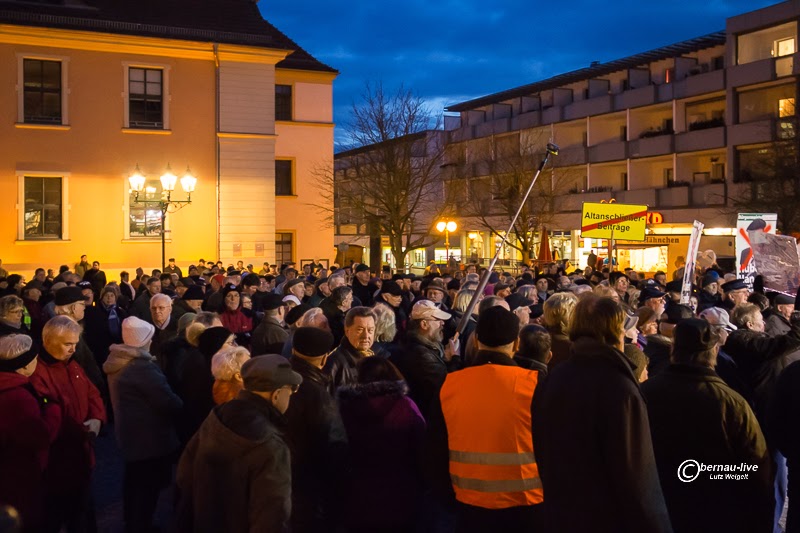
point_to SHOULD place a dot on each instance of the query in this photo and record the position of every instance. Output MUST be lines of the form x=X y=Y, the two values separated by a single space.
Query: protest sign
x=626 y=221
x=762 y=222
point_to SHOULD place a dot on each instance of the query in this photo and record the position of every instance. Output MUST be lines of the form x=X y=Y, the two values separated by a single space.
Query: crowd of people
x=330 y=400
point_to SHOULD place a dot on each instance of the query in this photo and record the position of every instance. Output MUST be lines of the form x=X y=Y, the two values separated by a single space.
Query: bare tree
x=772 y=176
x=504 y=168
x=389 y=179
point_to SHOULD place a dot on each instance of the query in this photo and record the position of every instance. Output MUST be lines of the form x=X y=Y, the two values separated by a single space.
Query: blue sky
x=449 y=51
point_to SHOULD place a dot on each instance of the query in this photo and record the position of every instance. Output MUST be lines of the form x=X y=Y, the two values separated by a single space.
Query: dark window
x=145 y=98
x=145 y=220
x=42 y=208
x=42 y=80
x=283 y=248
x=283 y=102
x=283 y=177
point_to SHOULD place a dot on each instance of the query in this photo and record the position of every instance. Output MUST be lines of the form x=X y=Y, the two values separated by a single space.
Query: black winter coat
x=592 y=440
x=235 y=474
x=695 y=415
x=97 y=333
x=188 y=373
x=341 y=366
x=318 y=442
x=760 y=359
x=422 y=364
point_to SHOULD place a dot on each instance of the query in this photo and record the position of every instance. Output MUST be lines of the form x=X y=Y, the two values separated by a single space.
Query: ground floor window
x=283 y=248
x=43 y=217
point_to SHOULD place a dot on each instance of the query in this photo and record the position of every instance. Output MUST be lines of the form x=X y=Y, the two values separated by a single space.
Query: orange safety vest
x=487 y=410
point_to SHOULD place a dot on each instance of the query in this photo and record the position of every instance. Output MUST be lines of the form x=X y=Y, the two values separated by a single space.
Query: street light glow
x=188 y=181
x=441 y=225
x=136 y=180
x=168 y=180
x=451 y=226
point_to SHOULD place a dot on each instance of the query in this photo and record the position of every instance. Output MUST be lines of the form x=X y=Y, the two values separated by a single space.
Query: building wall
x=98 y=154
x=233 y=211
x=308 y=142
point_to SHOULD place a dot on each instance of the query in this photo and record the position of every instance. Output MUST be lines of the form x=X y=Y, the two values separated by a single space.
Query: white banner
x=691 y=258
x=765 y=222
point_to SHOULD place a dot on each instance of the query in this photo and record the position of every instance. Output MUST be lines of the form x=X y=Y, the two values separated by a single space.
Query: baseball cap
x=426 y=309
x=718 y=317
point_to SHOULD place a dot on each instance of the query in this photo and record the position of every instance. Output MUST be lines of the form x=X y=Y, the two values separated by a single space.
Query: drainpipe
x=216 y=135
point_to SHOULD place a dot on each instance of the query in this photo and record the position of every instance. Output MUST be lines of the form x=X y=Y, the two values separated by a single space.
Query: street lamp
x=446 y=226
x=168 y=181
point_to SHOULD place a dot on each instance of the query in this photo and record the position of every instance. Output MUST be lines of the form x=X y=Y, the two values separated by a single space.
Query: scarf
x=114 y=324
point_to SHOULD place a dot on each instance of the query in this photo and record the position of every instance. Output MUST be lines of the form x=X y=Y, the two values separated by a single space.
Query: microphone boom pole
x=552 y=149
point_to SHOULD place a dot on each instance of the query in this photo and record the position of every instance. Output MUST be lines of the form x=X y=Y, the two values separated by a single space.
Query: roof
x=596 y=70
x=411 y=137
x=221 y=21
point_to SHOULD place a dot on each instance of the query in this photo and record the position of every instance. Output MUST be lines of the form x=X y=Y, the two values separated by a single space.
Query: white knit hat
x=136 y=332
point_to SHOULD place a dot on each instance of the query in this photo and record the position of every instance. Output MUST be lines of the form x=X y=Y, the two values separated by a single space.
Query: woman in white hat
x=145 y=409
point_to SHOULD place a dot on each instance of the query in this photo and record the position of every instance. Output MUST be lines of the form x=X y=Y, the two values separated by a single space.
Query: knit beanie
x=136 y=332
x=212 y=339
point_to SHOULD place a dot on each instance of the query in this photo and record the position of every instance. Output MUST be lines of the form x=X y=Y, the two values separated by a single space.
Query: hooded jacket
x=235 y=474
x=27 y=427
x=386 y=433
x=145 y=408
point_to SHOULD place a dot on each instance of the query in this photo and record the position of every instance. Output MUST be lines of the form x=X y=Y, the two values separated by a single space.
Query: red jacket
x=26 y=431
x=65 y=383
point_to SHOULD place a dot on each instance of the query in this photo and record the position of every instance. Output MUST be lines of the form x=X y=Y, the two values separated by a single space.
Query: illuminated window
x=145 y=220
x=785 y=47
x=43 y=208
x=786 y=107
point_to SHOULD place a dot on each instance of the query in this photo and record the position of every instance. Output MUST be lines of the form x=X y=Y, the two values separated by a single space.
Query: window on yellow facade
x=144 y=221
x=145 y=97
x=283 y=177
x=283 y=102
x=42 y=88
x=43 y=208
x=283 y=248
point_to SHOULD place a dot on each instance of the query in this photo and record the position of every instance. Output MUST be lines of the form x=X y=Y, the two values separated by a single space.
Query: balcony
x=531 y=119
x=761 y=71
x=593 y=106
x=608 y=151
x=574 y=202
x=638 y=197
x=464 y=133
x=752 y=132
x=693 y=141
x=708 y=82
x=635 y=98
x=494 y=127
x=553 y=114
x=652 y=146
x=708 y=195
x=673 y=197
x=666 y=92
x=573 y=155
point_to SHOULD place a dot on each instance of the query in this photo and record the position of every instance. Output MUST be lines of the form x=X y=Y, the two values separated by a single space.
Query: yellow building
x=89 y=90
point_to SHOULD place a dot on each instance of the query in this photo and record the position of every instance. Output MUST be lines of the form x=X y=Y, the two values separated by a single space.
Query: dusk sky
x=455 y=50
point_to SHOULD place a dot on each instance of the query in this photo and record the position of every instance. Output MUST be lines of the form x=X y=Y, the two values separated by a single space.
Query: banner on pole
x=776 y=260
x=746 y=222
x=691 y=259
x=627 y=221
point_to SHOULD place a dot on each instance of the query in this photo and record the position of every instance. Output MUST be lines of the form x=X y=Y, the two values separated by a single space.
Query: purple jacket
x=385 y=431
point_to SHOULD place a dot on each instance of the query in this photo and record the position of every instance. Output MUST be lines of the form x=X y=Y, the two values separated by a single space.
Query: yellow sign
x=626 y=221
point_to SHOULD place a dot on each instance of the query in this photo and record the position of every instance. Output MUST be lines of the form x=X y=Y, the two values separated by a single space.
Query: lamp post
x=168 y=181
x=446 y=226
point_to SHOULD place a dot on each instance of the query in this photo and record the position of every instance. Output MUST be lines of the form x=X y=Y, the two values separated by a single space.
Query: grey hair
x=529 y=291
x=58 y=326
x=471 y=278
x=205 y=318
x=9 y=303
x=312 y=318
x=163 y=297
x=228 y=362
x=12 y=346
x=194 y=331
x=385 y=326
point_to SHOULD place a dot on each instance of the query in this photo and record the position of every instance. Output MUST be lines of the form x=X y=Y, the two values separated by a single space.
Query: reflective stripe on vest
x=487 y=410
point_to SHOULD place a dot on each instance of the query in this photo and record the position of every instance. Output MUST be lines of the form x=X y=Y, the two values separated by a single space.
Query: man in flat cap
x=778 y=321
x=736 y=293
x=235 y=473
x=361 y=287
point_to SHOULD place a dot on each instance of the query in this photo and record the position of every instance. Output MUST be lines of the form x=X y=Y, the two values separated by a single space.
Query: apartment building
x=94 y=91
x=681 y=129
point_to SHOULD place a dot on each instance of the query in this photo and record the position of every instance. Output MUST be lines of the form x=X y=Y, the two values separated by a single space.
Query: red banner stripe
x=590 y=227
